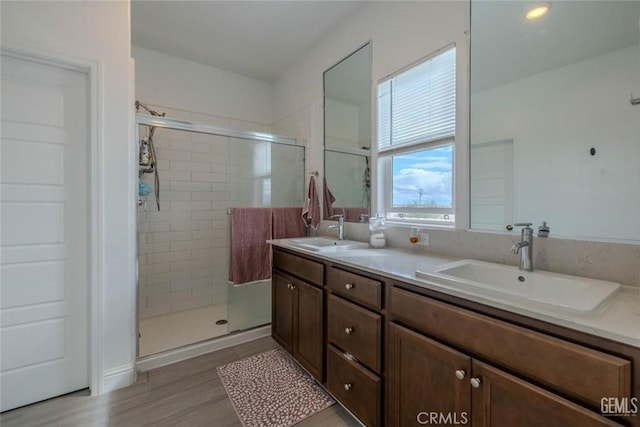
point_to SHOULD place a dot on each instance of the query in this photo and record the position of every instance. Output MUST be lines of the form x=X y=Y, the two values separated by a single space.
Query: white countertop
x=618 y=319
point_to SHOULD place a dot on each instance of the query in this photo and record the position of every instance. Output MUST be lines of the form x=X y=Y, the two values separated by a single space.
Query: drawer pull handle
x=460 y=374
x=290 y=286
x=348 y=286
x=347 y=386
x=348 y=331
x=475 y=382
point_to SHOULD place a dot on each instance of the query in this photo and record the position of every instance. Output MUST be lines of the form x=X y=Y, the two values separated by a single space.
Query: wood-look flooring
x=187 y=393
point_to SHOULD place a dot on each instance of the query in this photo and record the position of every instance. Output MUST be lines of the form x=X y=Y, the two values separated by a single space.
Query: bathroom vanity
x=395 y=350
x=298 y=309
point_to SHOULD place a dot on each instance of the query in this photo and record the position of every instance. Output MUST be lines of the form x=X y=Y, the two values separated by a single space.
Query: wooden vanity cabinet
x=357 y=388
x=426 y=377
x=421 y=378
x=355 y=330
x=282 y=299
x=355 y=374
x=453 y=361
x=297 y=309
x=397 y=354
x=503 y=400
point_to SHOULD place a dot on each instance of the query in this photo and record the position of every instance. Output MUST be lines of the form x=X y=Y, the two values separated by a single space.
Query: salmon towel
x=311 y=207
x=287 y=223
x=250 y=255
x=328 y=199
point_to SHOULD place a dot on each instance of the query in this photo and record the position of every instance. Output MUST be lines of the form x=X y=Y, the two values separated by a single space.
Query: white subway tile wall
x=183 y=248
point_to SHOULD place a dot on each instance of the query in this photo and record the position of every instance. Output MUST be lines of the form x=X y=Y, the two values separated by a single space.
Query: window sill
x=420 y=224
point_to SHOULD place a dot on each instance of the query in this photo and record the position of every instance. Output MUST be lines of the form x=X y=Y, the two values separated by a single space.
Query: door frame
x=92 y=70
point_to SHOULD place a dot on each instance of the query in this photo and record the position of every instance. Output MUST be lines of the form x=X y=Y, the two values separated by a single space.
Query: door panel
x=504 y=400
x=44 y=219
x=32 y=284
x=422 y=380
x=492 y=183
x=308 y=319
x=282 y=311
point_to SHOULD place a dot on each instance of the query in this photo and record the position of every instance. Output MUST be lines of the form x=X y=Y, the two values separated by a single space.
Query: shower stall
x=184 y=296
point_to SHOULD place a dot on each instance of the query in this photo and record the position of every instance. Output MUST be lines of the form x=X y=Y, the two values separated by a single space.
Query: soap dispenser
x=543 y=230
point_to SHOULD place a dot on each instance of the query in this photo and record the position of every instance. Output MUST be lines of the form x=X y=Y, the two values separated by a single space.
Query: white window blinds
x=419 y=104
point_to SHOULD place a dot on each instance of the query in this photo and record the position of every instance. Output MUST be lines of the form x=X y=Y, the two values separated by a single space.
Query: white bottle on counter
x=376 y=232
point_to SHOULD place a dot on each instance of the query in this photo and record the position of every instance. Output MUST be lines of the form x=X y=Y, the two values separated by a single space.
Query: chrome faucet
x=525 y=246
x=339 y=226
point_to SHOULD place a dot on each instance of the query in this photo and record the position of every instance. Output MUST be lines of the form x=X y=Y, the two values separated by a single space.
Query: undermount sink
x=572 y=293
x=324 y=244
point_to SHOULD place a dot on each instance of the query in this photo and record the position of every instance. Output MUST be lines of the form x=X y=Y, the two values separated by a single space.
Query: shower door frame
x=184 y=125
x=169 y=123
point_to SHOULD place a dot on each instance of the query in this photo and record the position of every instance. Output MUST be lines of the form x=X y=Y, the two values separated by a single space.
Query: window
x=416 y=130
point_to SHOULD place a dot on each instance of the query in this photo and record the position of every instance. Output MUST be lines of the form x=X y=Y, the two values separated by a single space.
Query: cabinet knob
x=347 y=386
x=348 y=286
x=348 y=330
x=475 y=382
x=460 y=374
x=290 y=286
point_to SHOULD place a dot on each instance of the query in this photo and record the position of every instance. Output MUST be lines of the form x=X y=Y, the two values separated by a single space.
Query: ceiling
x=257 y=39
x=506 y=47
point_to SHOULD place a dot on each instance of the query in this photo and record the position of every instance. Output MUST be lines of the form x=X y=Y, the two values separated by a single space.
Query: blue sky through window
x=424 y=178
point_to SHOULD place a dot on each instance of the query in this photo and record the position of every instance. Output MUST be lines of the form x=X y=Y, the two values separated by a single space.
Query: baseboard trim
x=172 y=356
x=116 y=378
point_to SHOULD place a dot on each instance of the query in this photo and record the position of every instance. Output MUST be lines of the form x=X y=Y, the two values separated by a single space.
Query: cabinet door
x=282 y=311
x=423 y=382
x=307 y=342
x=501 y=400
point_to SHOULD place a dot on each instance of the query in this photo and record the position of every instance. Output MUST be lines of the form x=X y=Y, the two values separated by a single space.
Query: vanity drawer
x=303 y=268
x=586 y=374
x=358 y=389
x=355 y=330
x=355 y=287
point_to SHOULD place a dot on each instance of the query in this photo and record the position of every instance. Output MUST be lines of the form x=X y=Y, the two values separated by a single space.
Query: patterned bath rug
x=271 y=390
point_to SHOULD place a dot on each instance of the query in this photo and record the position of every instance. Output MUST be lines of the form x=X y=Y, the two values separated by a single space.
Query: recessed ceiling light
x=537 y=12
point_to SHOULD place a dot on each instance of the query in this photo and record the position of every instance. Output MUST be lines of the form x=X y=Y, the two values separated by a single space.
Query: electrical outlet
x=423 y=238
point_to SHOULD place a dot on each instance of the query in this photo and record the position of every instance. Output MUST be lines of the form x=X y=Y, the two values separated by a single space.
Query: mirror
x=347 y=137
x=553 y=134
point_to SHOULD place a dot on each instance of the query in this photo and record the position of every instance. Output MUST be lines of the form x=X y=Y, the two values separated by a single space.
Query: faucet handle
x=523 y=224
x=337 y=216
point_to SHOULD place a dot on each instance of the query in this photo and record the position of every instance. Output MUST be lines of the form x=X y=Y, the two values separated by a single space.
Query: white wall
x=364 y=124
x=97 y=32
x=553 y=131
x=238 y=102
x=402 y=32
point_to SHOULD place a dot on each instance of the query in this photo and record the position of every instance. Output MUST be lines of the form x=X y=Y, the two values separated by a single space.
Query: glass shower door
x=260 y=175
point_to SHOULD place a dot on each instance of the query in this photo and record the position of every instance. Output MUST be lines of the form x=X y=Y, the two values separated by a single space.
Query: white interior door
x=44 y=232
x=492 y=185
